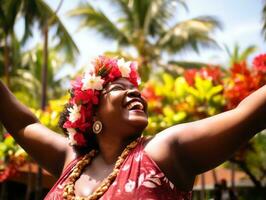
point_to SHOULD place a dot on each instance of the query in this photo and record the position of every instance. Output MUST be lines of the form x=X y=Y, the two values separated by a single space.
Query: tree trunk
x=6 y=61
x=3 y=194
x=242 y=165
x=202 y=192
x=214 y=175
x=233 y=176
x=44 y=68
x=43 y=103
x=29 y=183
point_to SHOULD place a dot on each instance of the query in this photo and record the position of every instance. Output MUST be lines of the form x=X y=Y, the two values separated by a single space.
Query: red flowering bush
x=200 y=93
x=213 y=73
x=11 y=158
x=242 y=81
x=259 y=63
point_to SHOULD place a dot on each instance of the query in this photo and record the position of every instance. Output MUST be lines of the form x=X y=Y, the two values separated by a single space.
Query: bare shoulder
x=163 y=150
x=166 y=139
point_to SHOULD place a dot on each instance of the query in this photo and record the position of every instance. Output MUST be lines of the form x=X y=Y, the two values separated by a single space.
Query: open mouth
x=135 y=105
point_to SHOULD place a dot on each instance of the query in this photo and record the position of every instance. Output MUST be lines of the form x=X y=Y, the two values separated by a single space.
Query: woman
x=107 y=158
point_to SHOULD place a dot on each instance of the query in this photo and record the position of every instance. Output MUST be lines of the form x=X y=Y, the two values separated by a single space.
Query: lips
x=136 y=104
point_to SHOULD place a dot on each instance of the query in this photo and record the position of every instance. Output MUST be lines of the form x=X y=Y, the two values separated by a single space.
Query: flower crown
x=85 y=93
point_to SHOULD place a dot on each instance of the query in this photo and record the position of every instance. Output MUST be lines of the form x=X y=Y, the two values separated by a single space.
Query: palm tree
x=27 y=81
x=150 y=27
x=36 y=11
x=32 y=11
x=7 y=22
x=236 y=56
x=39 y=11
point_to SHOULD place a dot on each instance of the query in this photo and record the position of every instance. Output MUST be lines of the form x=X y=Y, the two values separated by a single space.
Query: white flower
x=138 y=157
x=141 y=179
x=130 y=186
x=74 y=113
x=124 y=67
x=126 y=167
x=71 y=133
x=92 y=82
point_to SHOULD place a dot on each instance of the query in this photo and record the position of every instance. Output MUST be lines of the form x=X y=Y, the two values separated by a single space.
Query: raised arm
x=43 y=145
x=195 y=147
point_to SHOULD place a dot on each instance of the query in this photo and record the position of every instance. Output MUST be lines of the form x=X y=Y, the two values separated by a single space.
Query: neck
x=111 y=149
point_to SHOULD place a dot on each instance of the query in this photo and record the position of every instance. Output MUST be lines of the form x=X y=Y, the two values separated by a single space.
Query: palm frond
x=66 y=42
x=32 y=11
x=188 y=64
x=248 y=51
x=191 y=33
x=159 y=14
x=96 y=19
x=264 y=20
x=237 y=56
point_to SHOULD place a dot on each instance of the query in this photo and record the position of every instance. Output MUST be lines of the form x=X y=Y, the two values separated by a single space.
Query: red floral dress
x=139 y=178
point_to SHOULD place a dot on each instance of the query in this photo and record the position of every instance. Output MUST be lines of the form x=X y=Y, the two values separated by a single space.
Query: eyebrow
x=130 y=85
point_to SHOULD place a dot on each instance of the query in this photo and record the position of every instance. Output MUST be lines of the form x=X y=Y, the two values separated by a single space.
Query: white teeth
x=135 y=103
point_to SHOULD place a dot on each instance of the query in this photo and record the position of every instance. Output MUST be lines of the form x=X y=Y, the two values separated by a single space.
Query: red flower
x=113 y=74
x=240 y=68
x=190 y=75
x=133 y=76
x=149 y=93
x=87 y=96
x=84 y=121
x=259 y=62
x=80 y=139
x=103 y=65
x=108 y=70
x=7 y=135
x=214 y=73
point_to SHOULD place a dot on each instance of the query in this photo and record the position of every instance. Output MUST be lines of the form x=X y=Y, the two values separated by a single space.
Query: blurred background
x=196 y=59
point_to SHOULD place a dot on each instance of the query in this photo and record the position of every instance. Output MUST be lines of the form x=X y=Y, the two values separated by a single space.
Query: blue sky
x=241 y=24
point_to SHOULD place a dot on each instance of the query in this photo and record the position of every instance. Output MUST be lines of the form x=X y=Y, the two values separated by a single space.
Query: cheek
x=110 y=107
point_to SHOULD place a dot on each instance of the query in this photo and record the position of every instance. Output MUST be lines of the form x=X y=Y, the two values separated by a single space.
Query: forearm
x=211 y=141
x=254 y=108
x=13 y=115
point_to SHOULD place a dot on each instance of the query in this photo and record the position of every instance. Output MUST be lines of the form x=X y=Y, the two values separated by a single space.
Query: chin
x=139 y=123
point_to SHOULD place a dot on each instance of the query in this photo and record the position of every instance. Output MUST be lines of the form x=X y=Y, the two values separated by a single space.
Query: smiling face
x=122 y=109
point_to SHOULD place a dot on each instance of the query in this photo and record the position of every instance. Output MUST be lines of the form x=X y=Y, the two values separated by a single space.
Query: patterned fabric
x=139 y=178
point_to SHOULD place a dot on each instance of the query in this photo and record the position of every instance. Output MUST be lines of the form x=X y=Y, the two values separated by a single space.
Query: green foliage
x=51 y=115
x=255 y=159
x=12 y=156
x=179 y=102
x=9 y=149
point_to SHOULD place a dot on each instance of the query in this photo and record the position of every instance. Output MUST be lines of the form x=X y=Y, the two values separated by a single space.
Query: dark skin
x=185 y=150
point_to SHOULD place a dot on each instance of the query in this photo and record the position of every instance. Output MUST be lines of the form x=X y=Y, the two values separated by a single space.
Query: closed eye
x=114 y=88
x=117 y=87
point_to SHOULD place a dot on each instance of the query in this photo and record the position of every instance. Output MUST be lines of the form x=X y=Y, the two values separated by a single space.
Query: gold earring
x=97 y=127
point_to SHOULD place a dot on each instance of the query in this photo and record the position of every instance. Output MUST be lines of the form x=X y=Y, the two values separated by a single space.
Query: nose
x=133 y=92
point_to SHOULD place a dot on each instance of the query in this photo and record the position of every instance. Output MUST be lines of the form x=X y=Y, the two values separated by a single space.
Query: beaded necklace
x=69 y=192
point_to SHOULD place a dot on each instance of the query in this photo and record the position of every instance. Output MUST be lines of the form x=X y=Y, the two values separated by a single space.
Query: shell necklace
x=69 y=191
